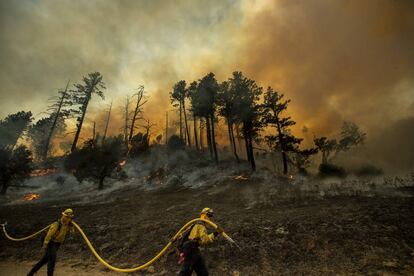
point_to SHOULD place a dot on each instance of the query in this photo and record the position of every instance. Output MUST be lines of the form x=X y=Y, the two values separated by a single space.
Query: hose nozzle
x=227 y=237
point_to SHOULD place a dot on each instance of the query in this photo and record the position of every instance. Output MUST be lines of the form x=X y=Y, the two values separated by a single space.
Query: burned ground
x=299 y=235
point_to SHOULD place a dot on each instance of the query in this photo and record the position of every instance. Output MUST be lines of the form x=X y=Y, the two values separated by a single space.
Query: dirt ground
x=302 y=235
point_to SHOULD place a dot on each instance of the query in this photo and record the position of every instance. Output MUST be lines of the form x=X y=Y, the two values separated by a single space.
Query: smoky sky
x=336 y=59
x=46 y=43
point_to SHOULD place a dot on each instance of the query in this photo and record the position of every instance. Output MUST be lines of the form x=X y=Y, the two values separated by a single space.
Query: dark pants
x=193 y=261
x=48 y=258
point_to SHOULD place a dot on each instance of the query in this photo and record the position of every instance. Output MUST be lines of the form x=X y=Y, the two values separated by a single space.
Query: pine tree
x=81 y=95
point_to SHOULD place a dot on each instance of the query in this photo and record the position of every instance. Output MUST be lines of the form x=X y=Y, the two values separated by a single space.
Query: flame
x=122 y=163
x=42 y=172
x=291 y=177
x=31 y=196
x=241 y=177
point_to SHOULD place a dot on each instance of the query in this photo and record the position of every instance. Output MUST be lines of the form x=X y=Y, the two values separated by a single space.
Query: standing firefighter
x=54 y=238
x=190 y=256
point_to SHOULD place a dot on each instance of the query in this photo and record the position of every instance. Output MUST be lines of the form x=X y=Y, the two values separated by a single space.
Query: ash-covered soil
x=278 y=235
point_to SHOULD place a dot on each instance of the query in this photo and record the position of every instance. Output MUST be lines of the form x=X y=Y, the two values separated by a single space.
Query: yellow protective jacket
x=199 y=233
x=58 y=236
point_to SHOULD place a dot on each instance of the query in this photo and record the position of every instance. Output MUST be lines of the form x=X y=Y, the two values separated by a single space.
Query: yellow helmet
x=68 y=213
x=208 y=211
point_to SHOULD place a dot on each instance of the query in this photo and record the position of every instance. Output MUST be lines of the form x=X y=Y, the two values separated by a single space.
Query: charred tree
x=192 y=94
x=126 y=120
x=178 y=96
x=58 y=113
x=227 y=101
x=166 y=127
x=213 y=138
x=273 y=107
x=247 y=111
x=92 y=84
x=12 y=128
x=107 y=123
x=137 y=110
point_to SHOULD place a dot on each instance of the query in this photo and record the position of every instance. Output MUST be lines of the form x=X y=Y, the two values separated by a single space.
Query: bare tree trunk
x=213 y=140
x=251 y=153
x=52 y=129
x=107 y=123
x=282 y=146
x=209 y=136
x=78 y=130
x=101 y=182
x=186 y=125
x=246 y=143
x=201 y=134
x=126 y=115
x=166 y=127
x=195 y=132
x=140 y=95
x=94 y=131
x=181 y=124
x=232 y=141
x=324 y=158
x=239 y=140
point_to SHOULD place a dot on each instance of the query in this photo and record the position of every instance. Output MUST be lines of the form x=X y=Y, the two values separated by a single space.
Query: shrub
x=15 y=166
x=175 y=143
x=95 y=162
x=331 y=170
x=369 y=170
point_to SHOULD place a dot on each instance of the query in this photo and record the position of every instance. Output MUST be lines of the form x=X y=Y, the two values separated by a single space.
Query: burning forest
x=292 y=123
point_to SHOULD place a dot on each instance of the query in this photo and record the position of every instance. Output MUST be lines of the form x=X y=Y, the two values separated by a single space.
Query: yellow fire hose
x=125 y=270
x=22 y=239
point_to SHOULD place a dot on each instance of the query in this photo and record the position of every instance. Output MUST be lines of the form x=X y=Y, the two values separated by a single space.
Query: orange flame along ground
x=42 y=172
x=31 y=196
x=241 y=177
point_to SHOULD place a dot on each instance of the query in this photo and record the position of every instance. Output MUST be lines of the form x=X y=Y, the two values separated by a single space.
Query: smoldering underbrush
x=159 y=169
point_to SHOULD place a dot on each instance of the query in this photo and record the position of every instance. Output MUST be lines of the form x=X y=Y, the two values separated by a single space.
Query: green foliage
x=227 y=102
x=39 y=132
x=283 y=140
x=95 y=162
x=92 y=84
x=15 y=166
x=326 y=147
x=301 y=159
x=273 y=107
x=205 y=97
x=351 y=136
x=179 y=93
x=246 y=108
x=13 y=126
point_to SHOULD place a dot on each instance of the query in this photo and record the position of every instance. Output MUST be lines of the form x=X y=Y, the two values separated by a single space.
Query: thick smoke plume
x=337 y=60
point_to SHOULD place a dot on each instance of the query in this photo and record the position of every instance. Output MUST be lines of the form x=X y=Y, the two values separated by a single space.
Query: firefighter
x=191 y=258
x=51 y=243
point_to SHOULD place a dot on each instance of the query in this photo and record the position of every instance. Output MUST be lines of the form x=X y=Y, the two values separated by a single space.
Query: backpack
x=42 y=239
x=184 y=238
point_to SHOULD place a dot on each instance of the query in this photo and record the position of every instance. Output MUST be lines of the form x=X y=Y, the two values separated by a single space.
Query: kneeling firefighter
x=53 y=239
x=190 y=256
